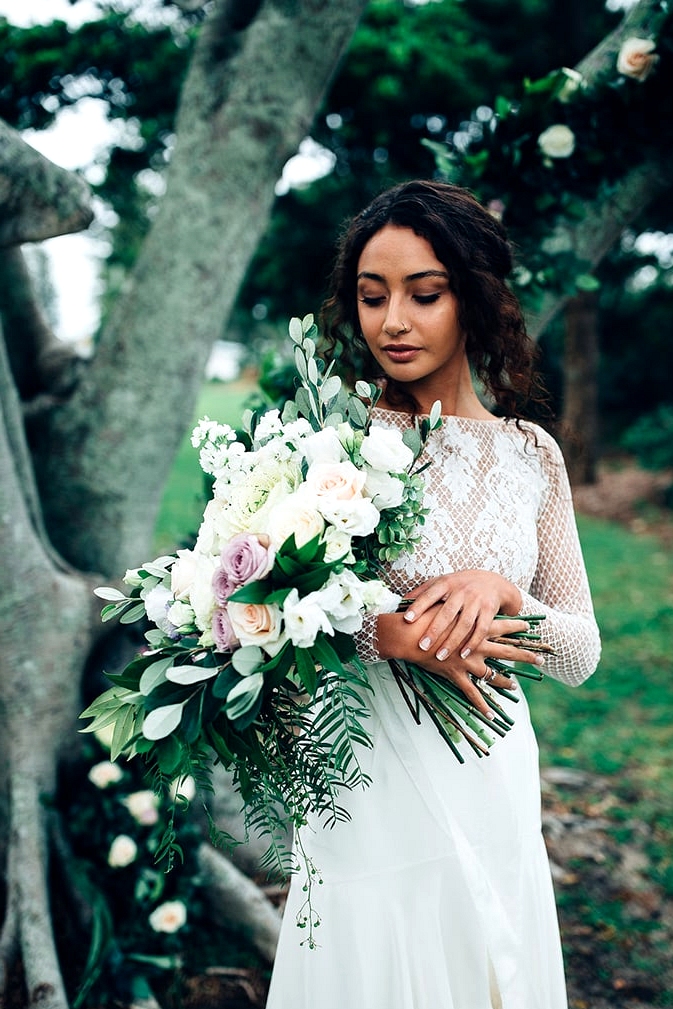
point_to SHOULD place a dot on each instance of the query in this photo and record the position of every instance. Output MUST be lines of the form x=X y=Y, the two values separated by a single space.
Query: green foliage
x=651 y=438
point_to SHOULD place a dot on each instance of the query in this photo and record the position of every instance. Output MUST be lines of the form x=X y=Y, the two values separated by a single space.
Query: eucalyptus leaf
x=186 y=675
x=312 y=371
x=412 y=440
x=330 y=388
x=296 y=331
x=357 y=412
x=300 y=364
x=159 y=567
x=243 y=695
x=246 y=659
x=106 y=592
x=435 y=414
x=135 y=613
x=154 y=675
x=162 y=721
x=363 y=389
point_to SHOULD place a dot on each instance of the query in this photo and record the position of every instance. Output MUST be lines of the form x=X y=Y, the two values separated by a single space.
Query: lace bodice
x=499 y=500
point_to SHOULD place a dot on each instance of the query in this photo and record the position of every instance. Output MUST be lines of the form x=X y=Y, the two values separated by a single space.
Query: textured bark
x=249 y=98
x=38 y=199
x=580 y=388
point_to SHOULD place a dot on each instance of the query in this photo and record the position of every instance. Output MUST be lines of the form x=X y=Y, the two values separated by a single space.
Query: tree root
x=235 y=900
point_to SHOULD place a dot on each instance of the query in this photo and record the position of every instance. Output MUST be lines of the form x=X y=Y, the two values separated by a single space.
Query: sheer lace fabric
x=499 y=500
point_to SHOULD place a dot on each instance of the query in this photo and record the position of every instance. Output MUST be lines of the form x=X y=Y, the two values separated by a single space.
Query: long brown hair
x=473 y=246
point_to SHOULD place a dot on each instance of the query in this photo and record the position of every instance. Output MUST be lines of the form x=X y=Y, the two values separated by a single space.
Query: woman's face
x=408 y=315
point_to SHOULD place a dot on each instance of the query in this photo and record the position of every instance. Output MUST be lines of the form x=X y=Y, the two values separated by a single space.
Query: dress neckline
x=403 y=415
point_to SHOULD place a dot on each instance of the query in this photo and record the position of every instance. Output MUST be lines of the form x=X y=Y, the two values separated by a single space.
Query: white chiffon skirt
x=437 y=893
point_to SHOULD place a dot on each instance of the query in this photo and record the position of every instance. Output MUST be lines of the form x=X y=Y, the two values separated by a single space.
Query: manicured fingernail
x=539 y=660
x=442 y=653
x=410 y=615
x=490 y=714
x=465 y=652
x=425 y=643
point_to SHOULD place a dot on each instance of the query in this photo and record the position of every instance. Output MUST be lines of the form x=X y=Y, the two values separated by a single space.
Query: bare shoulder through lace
x=499 y=500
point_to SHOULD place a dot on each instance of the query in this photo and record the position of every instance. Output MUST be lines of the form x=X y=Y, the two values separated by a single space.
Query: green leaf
x=330 y=388
x=187 y=675
x=253 y=592
x=224 y=681
x=243 y=695
x=247 y=659
x=587 y=282
x=106 y=592
x=306 y=670
x=162 y=721
x=135 y=613
x=154 y=674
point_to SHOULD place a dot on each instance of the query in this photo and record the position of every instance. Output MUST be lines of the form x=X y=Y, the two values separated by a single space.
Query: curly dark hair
x=473 y=246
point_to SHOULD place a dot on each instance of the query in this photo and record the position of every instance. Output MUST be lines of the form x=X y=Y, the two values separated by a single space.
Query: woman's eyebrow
x=365 y=275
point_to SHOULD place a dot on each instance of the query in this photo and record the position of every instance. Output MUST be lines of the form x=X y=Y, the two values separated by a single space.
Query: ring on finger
x=490 y=675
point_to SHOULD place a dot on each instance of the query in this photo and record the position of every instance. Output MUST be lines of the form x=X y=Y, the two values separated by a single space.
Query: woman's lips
x=401 y=352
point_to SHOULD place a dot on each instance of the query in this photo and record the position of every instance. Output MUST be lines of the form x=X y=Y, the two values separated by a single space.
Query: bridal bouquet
x=250 y=659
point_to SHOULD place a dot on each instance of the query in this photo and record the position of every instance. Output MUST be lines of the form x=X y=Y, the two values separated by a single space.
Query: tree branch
x=644 y=20
x=38 y=199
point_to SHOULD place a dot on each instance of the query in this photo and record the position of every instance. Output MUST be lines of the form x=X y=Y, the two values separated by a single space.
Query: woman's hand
x=463 y=606
x=397 y=638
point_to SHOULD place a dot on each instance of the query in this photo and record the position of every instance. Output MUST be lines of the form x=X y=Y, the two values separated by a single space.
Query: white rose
x=557 y=141
x=340 y=481
x=637 y=59
x=378 y=598
x=143 y=807
x=358 y=517
x=186 y=787
x=384 y=449
x=168 y=917
x=304 y=619
x=181 y=614
x=257 y=624
x=323 y=446
x=386 y=491
x=105 y=773
x=123 y=851
x=296 y=514
x=182 y=574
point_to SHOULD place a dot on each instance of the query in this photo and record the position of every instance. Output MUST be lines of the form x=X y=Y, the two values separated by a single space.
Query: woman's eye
x=426 y=299
x=372 y=299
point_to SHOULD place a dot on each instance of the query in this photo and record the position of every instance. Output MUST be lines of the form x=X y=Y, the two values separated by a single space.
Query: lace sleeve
x=560 y=587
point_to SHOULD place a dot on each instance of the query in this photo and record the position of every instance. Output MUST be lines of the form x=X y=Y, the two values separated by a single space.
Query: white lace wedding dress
x=437 y=893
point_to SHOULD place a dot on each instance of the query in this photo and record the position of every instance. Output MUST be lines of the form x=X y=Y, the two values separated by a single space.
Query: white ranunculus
x=386 y=491
x=637 y=58
x=304 y=619
x=105 y=773
x=384 y=449
x=168 y=917
x=182 y=574
x=254 y=498
x=378 y=598
x=143 y=807
x=256 y=624
x=358 y=517
x=557 y=141
x=323 y=446
x=181 y=614
x=296 y=514
x=123 y=851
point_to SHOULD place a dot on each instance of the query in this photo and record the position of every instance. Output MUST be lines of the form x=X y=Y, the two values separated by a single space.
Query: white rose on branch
x=637 y=58
x=557 y=141
x=105 y=773
x=168 y=917
x=123 y=851
x=384 y=449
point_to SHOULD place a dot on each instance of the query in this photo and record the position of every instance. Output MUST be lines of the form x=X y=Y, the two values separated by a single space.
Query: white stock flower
x=386 y=491
x=157 y=603
x=557 y=141
x=105 y=773
x=269 y=424
x=304 y=619
x=143 y=807
x=169 y=916
x=384 y=449
x=323 y=446
x=637 y=58
x=123 y=851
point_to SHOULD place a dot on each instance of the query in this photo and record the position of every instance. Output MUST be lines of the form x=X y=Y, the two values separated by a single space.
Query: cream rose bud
x=180 y=614
x=143 y=807
x=557 y=141
x=183 y=573
x=168 y=917
x=123 y=851
x=386 y=491
x=256 y=623
x=296 y=515
x=105 y=773
x=132 y=577
x=337 y=546
x=384 y=449
x=323 y=446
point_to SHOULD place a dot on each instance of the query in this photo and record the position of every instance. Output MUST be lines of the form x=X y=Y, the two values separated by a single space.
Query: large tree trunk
x=257 y=76
x=580 y=388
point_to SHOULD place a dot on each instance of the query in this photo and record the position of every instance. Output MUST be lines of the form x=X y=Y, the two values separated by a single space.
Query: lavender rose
x=223 y=632
x=247 y=558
